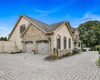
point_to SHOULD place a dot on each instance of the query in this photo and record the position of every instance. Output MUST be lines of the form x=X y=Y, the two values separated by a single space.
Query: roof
x=53 y=27
x=40 y=24
x=73 y=29
x=44 y=26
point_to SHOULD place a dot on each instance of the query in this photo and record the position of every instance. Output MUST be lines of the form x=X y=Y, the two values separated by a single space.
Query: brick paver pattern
x=26 y=66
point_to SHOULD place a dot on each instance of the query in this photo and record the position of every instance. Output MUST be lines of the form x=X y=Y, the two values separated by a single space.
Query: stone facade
x=61 y=53
x=34 y=34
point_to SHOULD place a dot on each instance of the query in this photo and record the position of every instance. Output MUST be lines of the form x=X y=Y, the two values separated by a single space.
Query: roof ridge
x=58 y=22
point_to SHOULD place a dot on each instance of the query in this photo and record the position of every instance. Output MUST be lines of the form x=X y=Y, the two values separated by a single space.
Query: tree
x=3 y=39
x=90 y=33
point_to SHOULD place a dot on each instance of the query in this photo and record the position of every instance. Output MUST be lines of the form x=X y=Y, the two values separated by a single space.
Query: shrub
x=99 y=51
x=69 y=54
x=99 y=61
x=53 y=56
x=75 y=51
x=97 y=47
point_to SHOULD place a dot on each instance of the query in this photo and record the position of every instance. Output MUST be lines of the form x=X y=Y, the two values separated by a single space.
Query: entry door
x=43 y=47
x=29 y=47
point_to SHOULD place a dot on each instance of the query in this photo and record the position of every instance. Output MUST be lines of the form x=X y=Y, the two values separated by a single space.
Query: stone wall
x=60 y=53
x=34 y=34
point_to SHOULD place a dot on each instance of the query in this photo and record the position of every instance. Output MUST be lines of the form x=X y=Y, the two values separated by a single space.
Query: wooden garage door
x=42 y=47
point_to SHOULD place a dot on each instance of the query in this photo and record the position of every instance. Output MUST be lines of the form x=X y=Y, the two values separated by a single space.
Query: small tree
x=5 y=39
x=1 y=38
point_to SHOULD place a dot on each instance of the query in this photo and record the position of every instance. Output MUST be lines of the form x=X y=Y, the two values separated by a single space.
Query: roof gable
x=53 y=27
x=15 y=26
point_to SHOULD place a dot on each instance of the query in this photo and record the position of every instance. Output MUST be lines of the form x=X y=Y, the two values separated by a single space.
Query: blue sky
x=48 y=11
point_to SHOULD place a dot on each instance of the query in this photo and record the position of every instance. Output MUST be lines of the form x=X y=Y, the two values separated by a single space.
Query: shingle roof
x=40 y=24
x=44 y=26
x=73 y=29
x=53 y=27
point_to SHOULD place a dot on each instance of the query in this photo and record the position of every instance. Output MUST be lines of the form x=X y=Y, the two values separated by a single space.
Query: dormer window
x=22 y=28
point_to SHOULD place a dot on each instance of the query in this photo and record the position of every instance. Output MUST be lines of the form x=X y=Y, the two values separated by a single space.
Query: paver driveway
x=26 y=66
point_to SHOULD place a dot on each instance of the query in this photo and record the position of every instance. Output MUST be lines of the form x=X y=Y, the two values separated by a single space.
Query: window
x=58 y=42
x=69 y=43
x=64 y=42
x=22 y=28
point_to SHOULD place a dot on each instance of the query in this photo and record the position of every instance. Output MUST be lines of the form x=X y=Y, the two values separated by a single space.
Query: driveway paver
x=26 y=66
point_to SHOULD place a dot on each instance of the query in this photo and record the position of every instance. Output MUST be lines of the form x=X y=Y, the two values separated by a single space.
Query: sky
x=48 y=11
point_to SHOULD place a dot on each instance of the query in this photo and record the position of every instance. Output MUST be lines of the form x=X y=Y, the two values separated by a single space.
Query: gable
x=33 y=33
x=16 y=29
x=76 y=32
x=65 y=27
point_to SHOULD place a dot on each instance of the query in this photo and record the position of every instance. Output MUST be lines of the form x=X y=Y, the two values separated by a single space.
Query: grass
x=99 y=61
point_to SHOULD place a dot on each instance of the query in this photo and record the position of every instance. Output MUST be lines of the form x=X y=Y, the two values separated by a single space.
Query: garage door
x=29 y=47
x=42 y=47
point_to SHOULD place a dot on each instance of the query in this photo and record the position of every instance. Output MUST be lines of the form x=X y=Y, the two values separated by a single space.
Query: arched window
x=65 y=42
x=22 y=28
x=58 y=42
x=69 y=43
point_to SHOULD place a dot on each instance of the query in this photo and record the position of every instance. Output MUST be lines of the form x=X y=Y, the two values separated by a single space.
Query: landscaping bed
x=53 y=57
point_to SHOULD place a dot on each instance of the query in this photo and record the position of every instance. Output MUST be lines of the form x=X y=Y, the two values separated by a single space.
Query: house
x=35 y=36
x=76 y=40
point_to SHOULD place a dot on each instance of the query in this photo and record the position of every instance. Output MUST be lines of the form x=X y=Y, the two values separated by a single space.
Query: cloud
x=86 y=17
x=90 y=16
x=44 y=12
